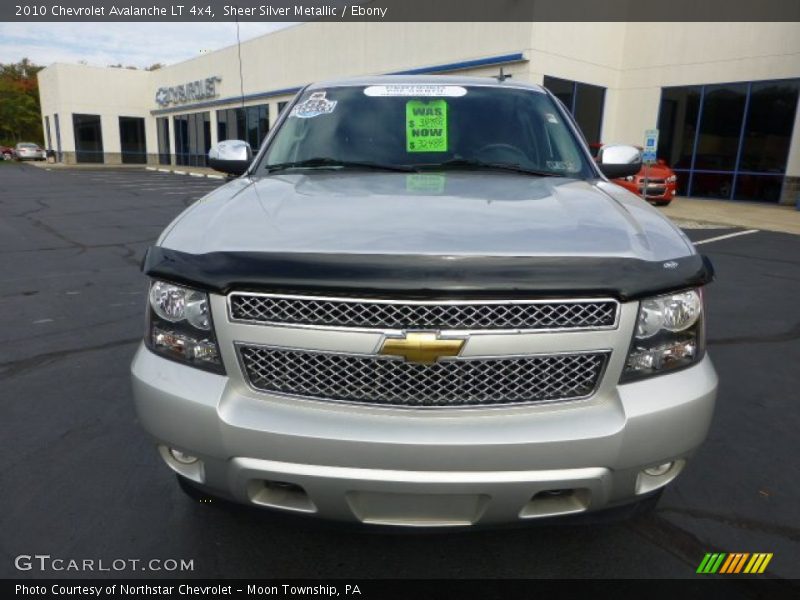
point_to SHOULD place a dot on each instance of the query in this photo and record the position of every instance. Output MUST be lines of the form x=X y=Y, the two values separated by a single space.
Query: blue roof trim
x=465 y=64
x=489 y=61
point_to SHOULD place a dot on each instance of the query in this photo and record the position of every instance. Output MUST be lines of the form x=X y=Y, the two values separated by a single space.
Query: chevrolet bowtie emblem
x=423 y=348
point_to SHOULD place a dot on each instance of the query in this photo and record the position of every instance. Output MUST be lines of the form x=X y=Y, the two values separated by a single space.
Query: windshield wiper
x=469 y=163
x=322 y=162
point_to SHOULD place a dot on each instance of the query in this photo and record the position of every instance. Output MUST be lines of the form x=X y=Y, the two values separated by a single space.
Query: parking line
x=725 y=237
x=175 y=185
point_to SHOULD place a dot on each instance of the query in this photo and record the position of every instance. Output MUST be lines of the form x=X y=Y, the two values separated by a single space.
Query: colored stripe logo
x=734 y=563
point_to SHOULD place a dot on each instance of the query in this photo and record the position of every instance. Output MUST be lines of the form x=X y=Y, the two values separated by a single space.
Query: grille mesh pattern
x=567 y=314
x=446 y=383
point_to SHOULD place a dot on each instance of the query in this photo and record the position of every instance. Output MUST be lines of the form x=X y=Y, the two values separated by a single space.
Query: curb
x=58 y=166
x=189 y=173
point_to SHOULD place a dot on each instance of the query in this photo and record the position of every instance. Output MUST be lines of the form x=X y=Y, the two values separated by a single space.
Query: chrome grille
x=385 y=314
x=447 y=383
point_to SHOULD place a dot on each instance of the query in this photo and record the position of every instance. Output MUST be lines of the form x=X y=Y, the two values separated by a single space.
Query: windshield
x=426 y=126
x=28 y=146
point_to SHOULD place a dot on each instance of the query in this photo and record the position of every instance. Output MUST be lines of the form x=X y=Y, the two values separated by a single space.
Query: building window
x=768 y=128
x=584 y=101
x=180 y=124
x=47 y=132
x=88 y=138
x=677 y=125
x=192 y=139
x=729 y=140
x=162 y=131
x=58 y=137
x=250 y=124
x=223 y=131
x=719 y=130
x=281 y=106
x=132 y=142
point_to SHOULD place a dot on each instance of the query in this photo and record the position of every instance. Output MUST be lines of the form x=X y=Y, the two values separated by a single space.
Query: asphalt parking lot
x=80 y=479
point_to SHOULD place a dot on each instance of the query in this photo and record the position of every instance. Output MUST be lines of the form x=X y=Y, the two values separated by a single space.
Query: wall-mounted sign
x=202 y=89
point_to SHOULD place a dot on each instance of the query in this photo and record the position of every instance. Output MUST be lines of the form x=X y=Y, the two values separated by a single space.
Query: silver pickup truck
x=422 y=303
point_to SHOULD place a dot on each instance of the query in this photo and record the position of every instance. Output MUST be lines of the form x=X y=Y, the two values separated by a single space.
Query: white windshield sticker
x=415 y=90
x=562 y=165
x=313 y=106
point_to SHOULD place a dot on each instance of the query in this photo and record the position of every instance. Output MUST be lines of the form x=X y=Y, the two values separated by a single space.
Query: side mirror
x=231 y=157
x=617 y=160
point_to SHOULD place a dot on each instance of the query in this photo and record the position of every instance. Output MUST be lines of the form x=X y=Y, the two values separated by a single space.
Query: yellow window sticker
x=426 y=126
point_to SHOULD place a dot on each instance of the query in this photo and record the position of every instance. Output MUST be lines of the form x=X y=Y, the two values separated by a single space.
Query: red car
x=6 y=153
x=662 y=182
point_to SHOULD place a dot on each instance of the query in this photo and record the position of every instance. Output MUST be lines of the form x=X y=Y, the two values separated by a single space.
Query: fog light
x=182 y=457
x=659 y=470
x=650 y=479
x=184 y=464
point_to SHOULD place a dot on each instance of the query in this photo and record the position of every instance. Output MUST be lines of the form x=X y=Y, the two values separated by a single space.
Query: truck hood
x=457 y=213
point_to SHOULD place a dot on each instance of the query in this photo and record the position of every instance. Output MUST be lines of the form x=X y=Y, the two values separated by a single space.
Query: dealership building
x=724 y=96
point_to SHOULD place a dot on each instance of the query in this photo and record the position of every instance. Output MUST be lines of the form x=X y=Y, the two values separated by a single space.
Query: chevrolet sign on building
x=202 y=89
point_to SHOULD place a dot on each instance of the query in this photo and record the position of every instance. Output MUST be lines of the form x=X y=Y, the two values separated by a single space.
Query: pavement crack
x=46 y=228
x=776 y=338
x=18 y=294
x=768 y=259
x=13 y=368
x=790 y=533
x=42 y=206
x=124 y=317
x=783 y=277
x=690 y=549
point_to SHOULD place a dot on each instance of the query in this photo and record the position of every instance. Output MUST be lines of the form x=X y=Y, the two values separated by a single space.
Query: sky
x=136 y=44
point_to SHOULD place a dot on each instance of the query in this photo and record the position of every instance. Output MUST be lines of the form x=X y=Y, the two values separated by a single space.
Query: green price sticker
x=426 y=126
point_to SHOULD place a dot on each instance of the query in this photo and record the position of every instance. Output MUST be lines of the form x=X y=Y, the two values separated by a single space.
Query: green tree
x=20 y=112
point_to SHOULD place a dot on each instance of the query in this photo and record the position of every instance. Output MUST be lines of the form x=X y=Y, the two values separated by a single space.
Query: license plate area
x=417 y=510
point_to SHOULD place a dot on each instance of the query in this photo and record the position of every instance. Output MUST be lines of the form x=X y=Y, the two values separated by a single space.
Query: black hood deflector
x=427 y=277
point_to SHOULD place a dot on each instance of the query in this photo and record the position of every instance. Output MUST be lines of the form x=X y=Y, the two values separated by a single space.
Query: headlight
x=672 y=179
x=175 y=303
x=669 y=335
x=179 y=326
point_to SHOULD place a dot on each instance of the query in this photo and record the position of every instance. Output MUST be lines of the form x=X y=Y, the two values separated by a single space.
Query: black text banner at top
x=401 y=10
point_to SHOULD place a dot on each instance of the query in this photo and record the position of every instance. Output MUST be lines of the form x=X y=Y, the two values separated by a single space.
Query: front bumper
x=657 y=192
x=421 y=468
